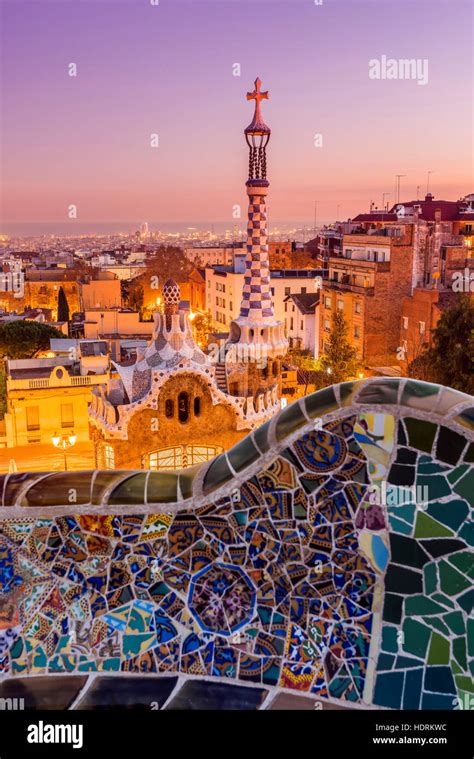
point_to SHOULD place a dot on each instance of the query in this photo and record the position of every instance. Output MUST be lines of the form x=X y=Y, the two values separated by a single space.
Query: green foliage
x=451 y=357
x=63 y=306
x=24 y=339
x=340 y=359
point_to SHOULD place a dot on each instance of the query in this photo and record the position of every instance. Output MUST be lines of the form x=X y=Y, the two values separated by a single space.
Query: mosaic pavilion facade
x=326 y=558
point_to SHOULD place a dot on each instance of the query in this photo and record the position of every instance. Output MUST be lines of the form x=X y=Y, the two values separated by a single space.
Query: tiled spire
x=256 y=306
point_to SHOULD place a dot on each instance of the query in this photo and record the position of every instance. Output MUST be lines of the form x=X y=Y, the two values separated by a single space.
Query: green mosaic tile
x=469 y=454
x=464 y=683
x=470 y=637
x=243 y=454
x=459 y=652
x=439 y=650
x=430 y=579
x=464 y=561
x=382 y=391
x=421 y=433
x=437 y=625
x=322 y=402
x=440 y=598
x=416 y=637
x=465 y=487
x=467 y=533
x=260 y=437
x=389 y=639
x=289 y=420
x=466 y=601
x=399 y=526
x=456 y=473
x=218 y=474
x=455 y=622
x=452 y=582
x=129 y=491
x=450 y=513
x=436 y=486
x=186 y=479
x=162 y=487
x=420 y=395
x=426 y=527
x=418 y=606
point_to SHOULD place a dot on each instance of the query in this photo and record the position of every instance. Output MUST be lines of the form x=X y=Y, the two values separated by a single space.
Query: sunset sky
x=168 y=69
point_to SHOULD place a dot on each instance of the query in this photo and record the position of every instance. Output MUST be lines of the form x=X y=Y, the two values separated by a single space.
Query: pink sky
x=167 y=69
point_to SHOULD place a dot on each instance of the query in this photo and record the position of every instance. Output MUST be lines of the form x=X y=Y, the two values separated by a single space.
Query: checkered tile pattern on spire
x=256 y=303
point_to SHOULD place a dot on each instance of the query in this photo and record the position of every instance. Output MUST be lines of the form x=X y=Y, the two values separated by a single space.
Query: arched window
x=197 y=406
x=265 y=372
x=275 y=368
x=169 y=408
x=183 y=407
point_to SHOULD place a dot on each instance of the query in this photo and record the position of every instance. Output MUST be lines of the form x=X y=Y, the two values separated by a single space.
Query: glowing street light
x=63 y=442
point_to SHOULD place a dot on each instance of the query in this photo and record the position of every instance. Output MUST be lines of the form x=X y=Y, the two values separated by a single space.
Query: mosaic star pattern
x=329 y=553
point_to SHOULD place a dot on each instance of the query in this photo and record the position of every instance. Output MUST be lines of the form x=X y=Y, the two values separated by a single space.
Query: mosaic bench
x=324 y=561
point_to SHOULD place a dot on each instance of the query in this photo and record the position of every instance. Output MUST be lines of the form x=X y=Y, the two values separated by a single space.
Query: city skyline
x=89 y=143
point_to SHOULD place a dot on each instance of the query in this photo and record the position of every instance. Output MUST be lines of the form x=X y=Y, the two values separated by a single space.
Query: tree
x=340 y=359
x=63 y=306
x=24 y=339
x=451 y=357
x=135 y=296
x=309 y=371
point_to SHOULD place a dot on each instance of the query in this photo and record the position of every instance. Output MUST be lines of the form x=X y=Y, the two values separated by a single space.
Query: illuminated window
x=109 y=457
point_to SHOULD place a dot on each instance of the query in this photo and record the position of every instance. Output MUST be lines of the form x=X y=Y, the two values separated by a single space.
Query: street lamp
x=64 y=442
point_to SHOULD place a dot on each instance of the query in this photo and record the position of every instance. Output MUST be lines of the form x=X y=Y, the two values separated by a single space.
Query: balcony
x=334 y=284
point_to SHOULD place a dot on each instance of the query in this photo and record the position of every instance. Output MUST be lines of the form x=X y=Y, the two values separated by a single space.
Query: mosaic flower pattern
x=338 y=564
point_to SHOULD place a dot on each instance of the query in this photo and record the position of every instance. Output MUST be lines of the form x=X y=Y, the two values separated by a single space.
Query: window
x=340 y=305
x=303 y=290
x=197 y=406
x=327 y=302
x=275 y=368
x=286 y=304
x=169 y=408
x=405 y=322
x=327 y=325
x=287 y=290
x=422 y=328
x=231 y=307
x=67 y=415
x=291 y=323
x=109 y=457
x=356 y=332
x=301 y=327
x=32 y=418
x=183 y=407
x=357 y=307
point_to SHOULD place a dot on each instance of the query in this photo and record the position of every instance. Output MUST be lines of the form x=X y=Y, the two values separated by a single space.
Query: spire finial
x=257 y=125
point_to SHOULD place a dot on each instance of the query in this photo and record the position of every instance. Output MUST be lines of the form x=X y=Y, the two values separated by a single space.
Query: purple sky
x=168 y=70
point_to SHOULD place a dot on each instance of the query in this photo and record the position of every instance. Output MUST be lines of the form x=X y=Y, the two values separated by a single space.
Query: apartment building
x=368 y=284
x=224 y=285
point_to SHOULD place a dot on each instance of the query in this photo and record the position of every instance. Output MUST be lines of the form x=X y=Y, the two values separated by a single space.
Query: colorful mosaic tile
x=341 y=567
